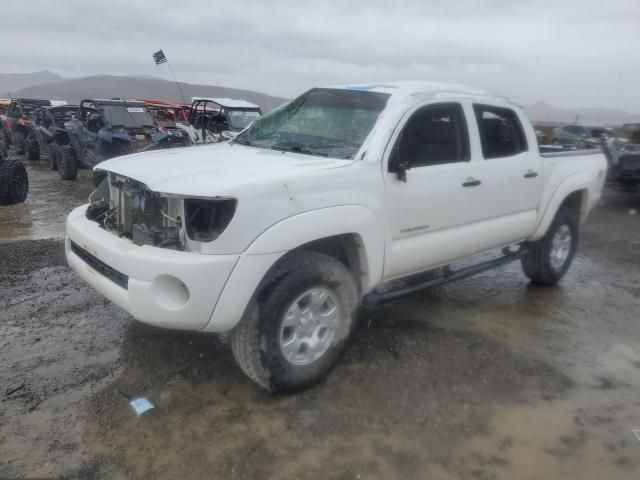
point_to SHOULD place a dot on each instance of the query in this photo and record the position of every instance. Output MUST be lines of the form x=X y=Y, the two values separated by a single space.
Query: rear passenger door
x=510 y=175
x=430 y=213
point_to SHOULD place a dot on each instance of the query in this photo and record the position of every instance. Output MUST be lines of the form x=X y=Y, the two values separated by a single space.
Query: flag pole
x=177 y=83
x=159 y=58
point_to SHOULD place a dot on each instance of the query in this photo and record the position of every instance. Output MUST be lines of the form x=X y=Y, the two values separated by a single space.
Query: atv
x=49 y=131
x=17 y=124
x=104 y=129
x=14 y=182
x=217 y=119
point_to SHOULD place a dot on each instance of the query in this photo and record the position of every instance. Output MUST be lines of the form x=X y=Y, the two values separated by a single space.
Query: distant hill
x=544 y=113
x=12 y=82
x=140 y=86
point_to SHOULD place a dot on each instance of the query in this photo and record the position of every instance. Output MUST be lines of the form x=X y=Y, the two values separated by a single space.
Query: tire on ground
x=537 y=264
x=18 y=138
x=33 y=149
x=54 y=151
x=255 y=341
x=67 y=163
x=14 y=182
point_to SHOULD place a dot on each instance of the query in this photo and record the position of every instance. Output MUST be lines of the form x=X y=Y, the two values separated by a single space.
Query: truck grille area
x=99 y=266
x=128 y=209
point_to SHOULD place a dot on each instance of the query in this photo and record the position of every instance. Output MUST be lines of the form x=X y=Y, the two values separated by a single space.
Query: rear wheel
x=33 y=149
x=550 y=257
x=67 y=163
x=18 y=140
x=14 y=182
x=296 y=327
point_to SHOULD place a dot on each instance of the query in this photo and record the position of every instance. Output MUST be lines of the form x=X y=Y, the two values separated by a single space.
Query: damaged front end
x=129 y=209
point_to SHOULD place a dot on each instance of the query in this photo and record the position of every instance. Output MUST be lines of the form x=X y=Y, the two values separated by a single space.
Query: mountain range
x=49 y=85
x=46 y=84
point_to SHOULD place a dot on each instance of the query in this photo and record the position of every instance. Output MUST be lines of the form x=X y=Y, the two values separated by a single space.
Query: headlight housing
x=206 y=219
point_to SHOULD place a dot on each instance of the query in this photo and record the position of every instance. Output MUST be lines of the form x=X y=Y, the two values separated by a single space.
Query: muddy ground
x=488 y=378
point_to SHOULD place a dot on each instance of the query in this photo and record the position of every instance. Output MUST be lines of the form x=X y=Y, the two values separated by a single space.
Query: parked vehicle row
x=582 y=135
x=81 y=136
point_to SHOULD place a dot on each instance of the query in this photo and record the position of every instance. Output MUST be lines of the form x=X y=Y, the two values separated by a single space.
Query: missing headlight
x=207 y=219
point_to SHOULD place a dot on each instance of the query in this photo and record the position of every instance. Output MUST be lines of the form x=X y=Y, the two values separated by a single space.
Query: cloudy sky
x=568 y=53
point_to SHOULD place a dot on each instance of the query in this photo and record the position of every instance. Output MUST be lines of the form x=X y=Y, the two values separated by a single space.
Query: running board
x=448 y=275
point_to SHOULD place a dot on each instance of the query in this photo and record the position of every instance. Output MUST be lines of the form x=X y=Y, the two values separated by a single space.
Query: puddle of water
x=49 y=202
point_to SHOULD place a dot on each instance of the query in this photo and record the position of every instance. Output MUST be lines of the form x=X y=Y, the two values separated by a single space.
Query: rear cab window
x=501 y=132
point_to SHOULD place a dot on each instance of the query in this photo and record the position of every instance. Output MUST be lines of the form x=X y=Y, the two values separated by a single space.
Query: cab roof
x=422 y=89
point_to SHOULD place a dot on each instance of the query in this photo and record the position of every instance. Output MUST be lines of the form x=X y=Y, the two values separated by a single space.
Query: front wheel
x=297 y=325
x=33 y=149
x=550 y=257
x=54 y=152
x=14 y=181
x=67 y=163
x=18 y=141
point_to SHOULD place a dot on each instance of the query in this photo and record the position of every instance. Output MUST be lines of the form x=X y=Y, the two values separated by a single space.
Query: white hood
x=215 y=170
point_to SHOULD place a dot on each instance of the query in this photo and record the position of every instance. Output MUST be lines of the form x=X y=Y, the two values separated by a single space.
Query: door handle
x=471 y=182
x=530 y=174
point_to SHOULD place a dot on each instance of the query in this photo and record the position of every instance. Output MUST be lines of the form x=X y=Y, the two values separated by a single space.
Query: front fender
x=577 y=182
x=287 y=235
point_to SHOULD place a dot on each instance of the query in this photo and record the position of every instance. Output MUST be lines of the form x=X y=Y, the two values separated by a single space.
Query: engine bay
x=129 y=209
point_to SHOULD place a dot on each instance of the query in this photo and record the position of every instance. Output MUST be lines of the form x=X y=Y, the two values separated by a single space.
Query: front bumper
x=157 y=286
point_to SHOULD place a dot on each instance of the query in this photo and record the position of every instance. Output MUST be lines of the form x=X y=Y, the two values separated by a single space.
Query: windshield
x=325 y=122
x=133 y=116
x=241 y=119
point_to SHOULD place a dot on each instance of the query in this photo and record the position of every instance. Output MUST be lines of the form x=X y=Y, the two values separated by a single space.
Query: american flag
x=159 y=57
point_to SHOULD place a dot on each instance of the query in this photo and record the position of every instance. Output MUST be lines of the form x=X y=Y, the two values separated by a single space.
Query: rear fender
x=288 y=235
x=577 y=182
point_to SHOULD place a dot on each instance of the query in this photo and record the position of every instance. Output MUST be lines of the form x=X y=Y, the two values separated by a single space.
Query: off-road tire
x=537 y=263
x=18 y=142
x=54 y=152
x=255 y=340
x=67 y=163
x=14 y=181
x=33 y=149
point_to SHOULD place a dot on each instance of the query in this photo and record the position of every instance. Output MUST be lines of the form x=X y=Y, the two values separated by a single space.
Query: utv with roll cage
x=18 y=123
x=108 y=128
x=218 y=119
x=48 y=133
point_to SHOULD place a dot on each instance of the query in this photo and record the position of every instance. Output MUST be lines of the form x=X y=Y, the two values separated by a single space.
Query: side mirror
x=396 y=165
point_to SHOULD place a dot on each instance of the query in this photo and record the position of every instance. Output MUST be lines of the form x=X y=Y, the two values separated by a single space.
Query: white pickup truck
x=345 y=195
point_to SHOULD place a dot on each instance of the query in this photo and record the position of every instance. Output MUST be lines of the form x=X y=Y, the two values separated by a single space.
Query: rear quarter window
x=501 y=133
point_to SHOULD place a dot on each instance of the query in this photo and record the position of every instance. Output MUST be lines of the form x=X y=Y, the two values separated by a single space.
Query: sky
x=567 y=53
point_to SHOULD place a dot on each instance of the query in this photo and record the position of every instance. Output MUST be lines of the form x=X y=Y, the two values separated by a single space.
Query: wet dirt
x=488 y=378
x=49 y=201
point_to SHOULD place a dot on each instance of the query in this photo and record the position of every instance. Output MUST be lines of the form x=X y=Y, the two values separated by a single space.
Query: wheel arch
x=572 y=193
x=348 y=233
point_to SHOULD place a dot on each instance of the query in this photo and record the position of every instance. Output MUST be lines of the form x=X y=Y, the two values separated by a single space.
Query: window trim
x=519 y=125
x=464 y=126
